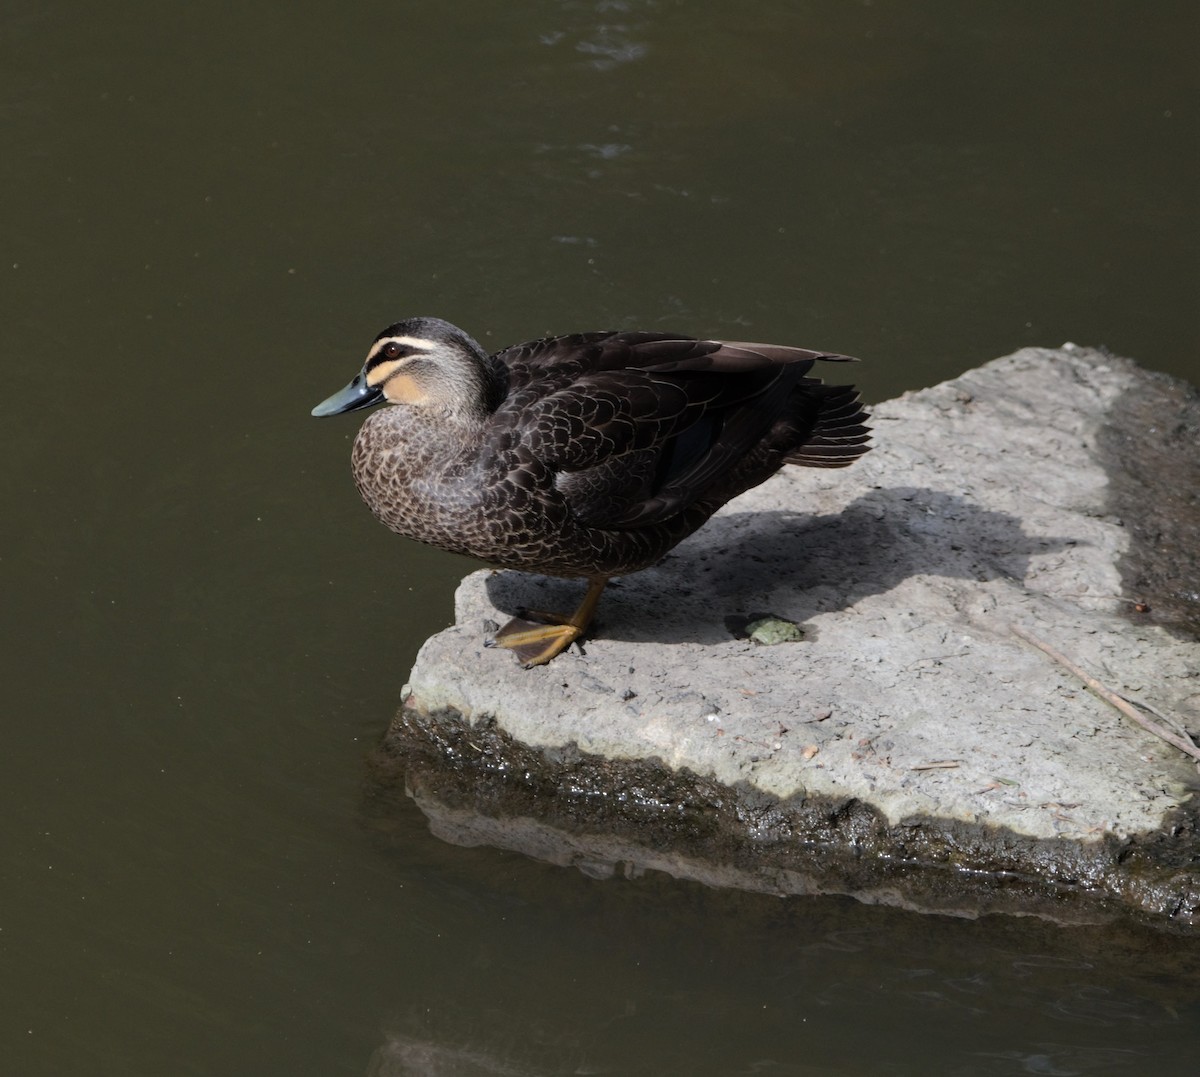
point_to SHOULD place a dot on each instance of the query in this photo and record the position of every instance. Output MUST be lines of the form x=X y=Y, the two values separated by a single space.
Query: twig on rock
x=1124 y=706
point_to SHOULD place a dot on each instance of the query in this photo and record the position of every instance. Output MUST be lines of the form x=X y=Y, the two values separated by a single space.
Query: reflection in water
x=607 y=44
x=1061 y=1060
x=666 y=959
x=405 y=1056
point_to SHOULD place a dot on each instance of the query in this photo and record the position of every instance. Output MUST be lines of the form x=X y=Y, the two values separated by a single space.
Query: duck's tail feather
x=840 y=435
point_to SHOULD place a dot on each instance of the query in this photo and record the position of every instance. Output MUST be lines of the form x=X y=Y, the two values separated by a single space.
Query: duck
x=588 y=455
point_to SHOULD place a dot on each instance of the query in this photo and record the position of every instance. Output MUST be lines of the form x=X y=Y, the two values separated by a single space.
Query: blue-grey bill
x=358 y=394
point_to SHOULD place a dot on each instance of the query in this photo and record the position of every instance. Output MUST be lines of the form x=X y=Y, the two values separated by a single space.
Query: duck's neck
x=474 y=386
x=490 y=382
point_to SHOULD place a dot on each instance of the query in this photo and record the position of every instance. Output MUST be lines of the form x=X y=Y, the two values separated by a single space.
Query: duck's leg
x=535 y=644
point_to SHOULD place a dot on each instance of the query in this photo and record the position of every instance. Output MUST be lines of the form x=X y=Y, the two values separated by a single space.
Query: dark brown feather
x=611 y=396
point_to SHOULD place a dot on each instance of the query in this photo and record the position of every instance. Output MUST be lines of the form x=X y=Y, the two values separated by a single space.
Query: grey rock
x=908 y=748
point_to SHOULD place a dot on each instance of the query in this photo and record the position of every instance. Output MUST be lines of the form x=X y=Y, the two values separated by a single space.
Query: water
x=209 y=212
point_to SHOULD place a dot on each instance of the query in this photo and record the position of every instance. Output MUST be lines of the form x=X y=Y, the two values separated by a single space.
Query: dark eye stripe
x=388 y=351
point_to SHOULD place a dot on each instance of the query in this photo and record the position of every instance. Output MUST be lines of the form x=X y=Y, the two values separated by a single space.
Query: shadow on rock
x=1150 y=449
x=795 y=565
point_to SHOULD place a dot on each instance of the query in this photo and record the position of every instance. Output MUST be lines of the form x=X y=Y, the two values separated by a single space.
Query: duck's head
x=424 y=363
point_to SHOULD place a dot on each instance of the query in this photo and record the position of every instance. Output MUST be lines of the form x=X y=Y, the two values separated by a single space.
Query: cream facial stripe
x=377 y=375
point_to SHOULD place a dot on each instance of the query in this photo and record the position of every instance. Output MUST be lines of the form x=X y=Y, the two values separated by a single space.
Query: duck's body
x=588 y=455
x=492 y=499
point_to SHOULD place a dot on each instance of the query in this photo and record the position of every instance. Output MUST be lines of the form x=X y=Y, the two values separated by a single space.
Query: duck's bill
x=358 y=394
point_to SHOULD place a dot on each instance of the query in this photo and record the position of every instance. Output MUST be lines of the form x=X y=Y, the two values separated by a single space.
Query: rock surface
x=908 y=747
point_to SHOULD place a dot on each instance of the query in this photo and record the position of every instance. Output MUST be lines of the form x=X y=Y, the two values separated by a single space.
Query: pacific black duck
x=588 y=455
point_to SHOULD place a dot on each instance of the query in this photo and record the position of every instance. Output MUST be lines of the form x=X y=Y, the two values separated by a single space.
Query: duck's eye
x=391 y=350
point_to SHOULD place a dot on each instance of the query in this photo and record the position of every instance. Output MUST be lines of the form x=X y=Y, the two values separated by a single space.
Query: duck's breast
x=480 y=496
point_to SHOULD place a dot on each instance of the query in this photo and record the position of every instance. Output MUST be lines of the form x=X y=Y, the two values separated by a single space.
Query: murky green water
x=208 y=212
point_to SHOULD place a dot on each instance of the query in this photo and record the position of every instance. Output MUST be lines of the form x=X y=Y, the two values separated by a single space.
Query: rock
x=907 y=747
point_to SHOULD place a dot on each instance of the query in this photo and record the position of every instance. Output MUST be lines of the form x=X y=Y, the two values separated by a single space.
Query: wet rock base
x=476 y=786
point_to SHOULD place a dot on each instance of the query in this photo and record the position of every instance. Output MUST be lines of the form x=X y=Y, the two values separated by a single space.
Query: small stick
x=1125 y=707
x=1170 y=719
x=941 y=764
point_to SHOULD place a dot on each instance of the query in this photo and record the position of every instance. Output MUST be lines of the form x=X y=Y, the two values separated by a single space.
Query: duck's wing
x=636 y=426
x=551 y=359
